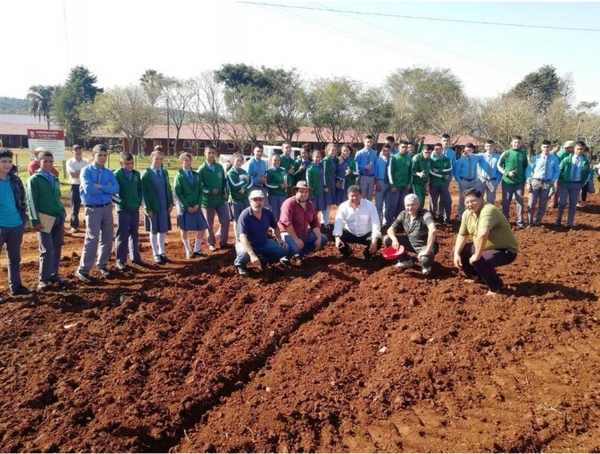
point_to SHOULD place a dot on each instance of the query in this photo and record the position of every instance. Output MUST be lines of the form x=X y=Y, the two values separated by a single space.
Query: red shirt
x=35 y=165
x=300 y=219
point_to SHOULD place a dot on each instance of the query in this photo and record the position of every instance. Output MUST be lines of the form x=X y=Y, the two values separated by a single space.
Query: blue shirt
x=576 y=165
x=466 y=167
x=487 y=167
x=365 y=157
x=9 y=215
x=257 y=169
x=91 y=195
x=381 y=167
x=256 y=229
x=450 y=154
x=543 y=168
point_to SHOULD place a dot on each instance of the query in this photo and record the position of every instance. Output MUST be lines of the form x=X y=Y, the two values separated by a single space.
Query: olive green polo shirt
x=490 y=217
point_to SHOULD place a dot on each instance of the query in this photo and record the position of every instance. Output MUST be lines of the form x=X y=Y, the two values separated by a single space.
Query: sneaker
x=164 y=258
x=157 y=259
x=226 y=246
x=285 y=262
x=59 y=281
x=140 y=262
x=83 y=277
x=74 y=230
x=43 y=286
x=581 y=205
x=189 y=255
x=520 y=225
x=367 y=255
x=426 y=270
x=21 y=290
x=404 y=264
x=104 y=272
x=212 y=248
x=242 y=270
x=198 y=254
x=121 y=266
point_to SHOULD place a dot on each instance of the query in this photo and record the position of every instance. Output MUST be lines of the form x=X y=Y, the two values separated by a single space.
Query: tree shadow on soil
x=552 y=291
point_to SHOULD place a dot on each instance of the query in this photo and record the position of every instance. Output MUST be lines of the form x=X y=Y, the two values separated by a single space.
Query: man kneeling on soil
x=299 y=224
x=420 y=238
x=252 y=228
x=493 y=242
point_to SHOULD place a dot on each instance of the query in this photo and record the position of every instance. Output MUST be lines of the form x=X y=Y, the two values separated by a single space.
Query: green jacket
x=351 y=179
x=314 y=179
x=187 y=196
x=513 y=160
x=275 y=178
x=401 y=171
x=440 y=169
x=237 y=181
x=42 y=198
x=210 y=181
x=149 y=192
x=329 y=166
x=565 y=171
x=129 y=197
x=420 y=164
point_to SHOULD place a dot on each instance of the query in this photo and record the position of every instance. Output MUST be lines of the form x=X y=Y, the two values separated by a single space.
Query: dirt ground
x=337 y=356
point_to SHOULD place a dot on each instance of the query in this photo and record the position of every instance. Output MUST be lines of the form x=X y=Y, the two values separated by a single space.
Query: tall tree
x=40 y=98
x=178 y=95
x=540 y=86
x=80 y=88
x=152 y=81
x=207 y=108
x=374 y=111
x=457 y=118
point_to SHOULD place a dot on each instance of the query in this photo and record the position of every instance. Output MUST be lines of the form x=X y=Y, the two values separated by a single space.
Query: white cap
x=256 y=193
x=39 y=149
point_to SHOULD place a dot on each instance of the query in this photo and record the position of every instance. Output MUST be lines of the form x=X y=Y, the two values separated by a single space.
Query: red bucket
x=391 y=253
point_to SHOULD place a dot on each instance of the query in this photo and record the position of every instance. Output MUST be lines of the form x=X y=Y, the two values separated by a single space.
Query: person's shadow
x=551 y=291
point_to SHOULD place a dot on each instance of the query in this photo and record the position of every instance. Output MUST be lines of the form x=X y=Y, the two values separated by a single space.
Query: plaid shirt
x=19 y=192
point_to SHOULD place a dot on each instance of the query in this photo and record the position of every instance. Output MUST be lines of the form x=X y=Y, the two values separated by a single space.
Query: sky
x=119 y=40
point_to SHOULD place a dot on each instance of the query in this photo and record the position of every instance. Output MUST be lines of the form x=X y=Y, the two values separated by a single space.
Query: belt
x=543 y=181
x=98 y=206
x=468 y=179
x=577 y=181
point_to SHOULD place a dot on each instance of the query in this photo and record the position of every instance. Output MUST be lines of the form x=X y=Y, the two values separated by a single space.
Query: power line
x=462 y=21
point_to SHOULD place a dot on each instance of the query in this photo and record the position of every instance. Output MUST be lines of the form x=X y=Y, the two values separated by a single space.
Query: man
x=449 y=151
x=74 y=166
x=13 y=218
x=493 y=242
x=542 y=172
x=299 y=224
x=257 y=169
x=400 y=177
x=574 y=174
x=47 y=215
x=98 y=186
x=391 y=141
x=488 y=177
x=214 y=189
x=566 y=150
x=357 y=222
x=441 y=175
x=288 y=163
x=34 y=165
x=365 y=158
x=465 y=173
x=421 y=235
x=512 y=165
x=252 y=228
x=127 y=202
x=382 y=186
x=421 y=165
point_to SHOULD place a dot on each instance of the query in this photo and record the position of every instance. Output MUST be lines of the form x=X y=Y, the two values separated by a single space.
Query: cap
x=569 y=143
x=39 y=150
x=256 y=193
x=76 y=146
x=301 y=185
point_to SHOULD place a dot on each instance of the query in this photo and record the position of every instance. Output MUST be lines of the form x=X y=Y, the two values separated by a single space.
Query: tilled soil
x=339 y=355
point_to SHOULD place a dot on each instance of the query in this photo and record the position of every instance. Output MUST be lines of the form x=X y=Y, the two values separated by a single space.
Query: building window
x=156 y=143
x=187 y=145
x=202 y=144
x=230 y=145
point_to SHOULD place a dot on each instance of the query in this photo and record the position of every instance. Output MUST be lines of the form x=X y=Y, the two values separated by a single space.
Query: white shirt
x=359 y=222
x=73 y=165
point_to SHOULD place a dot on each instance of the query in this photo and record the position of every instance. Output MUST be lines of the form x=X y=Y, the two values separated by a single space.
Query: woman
x=493 y=243
x=345 y=175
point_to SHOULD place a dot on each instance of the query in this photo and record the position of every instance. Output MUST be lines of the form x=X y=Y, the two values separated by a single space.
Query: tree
x=207 y=107
x=374 y=111
x=457 y=118
x=79 y=89
x=331 y=105
x=128 y=110
x=286 y=101
x=540 y=86
x=178 y=95
x=153 y=82
x=417 y=93
x=40 y=99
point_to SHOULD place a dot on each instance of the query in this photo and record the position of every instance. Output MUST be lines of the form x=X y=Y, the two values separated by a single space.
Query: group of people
x=280 y=211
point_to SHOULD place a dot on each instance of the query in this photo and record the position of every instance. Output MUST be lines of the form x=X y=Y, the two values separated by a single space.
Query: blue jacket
x=91 y=195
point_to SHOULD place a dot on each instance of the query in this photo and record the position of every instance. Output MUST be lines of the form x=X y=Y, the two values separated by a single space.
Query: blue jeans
x=309 y=244
x=269 y=252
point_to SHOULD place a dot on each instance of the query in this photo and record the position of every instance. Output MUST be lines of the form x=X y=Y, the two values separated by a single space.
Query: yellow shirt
x=490 y=217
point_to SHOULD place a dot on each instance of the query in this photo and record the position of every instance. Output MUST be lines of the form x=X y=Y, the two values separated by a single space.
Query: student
x=13 y=217
x=98 y=186
x=277 y=185
x=128 y=201
x=188 y=192
x=316 y=181
x=158 y=202
x=345 y=174
x=74 y=167
x=330 y=163
x=240 y=185
x=47 y=215
x=34 y=164
x=302 y=163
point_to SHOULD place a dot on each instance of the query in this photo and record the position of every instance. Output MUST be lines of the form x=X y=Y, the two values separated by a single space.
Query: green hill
x=13 y=106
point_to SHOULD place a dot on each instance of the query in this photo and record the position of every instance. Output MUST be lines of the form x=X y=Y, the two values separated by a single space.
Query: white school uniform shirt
x=73 y=165
x=358 y=222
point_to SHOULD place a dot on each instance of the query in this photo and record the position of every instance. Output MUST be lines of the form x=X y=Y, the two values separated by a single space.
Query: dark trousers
x=508 y=192
x=350 y=238
x=128 y=236
x=486 y=266
x=50 y=249
x=13 y=237
x=223 y=214
x=75 y=206
x=425 y=260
